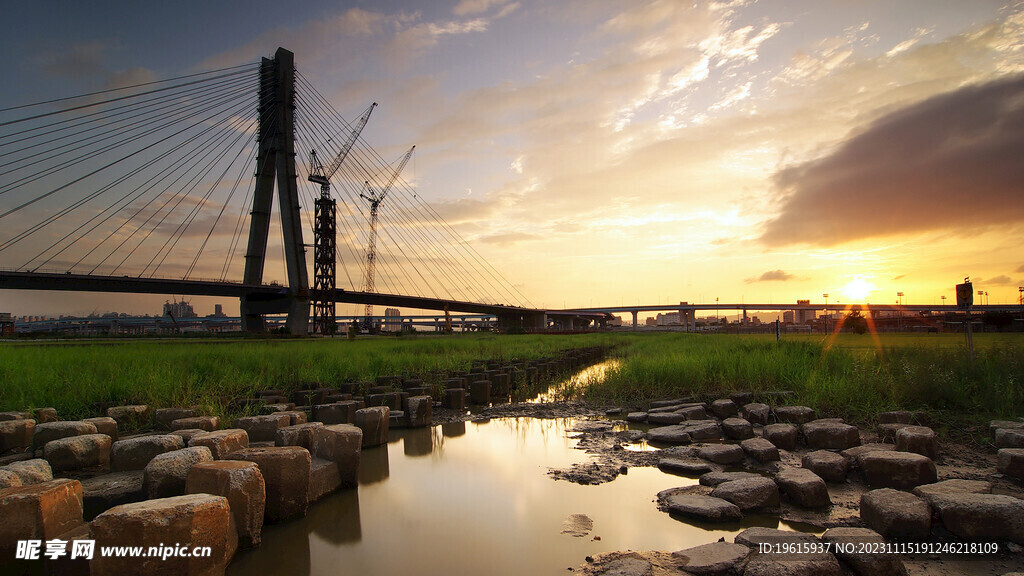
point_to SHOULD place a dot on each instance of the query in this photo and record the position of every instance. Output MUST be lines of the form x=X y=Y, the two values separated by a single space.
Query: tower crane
x=325 y=231
x=374 y=198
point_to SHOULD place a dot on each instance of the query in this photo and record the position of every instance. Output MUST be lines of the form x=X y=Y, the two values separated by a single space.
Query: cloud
x=900 y=277
x=465 y=7
x=507 y=238
x=949 y=162
x=1020 y=269
x=772 y=276
x=1000 y=280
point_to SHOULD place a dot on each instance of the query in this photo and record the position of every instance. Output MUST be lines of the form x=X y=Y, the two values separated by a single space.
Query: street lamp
x=716 y=310
x=825 y=296
x=899 y=302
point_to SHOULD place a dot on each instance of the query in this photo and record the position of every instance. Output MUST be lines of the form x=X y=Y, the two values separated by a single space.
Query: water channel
x=474 y=498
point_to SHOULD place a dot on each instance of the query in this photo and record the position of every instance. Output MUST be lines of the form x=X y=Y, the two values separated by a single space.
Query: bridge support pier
x=635 y=314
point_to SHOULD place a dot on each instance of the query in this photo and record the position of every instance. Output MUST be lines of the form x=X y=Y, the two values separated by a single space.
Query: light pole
x=825 y=296
x=716 y=309
x=1020 y=300
x=899 y=302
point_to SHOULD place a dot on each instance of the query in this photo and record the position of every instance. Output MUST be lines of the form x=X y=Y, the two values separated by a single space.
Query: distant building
x=670 y=319
x=787 y=316
x=651 y=321
x=615 y=321
x=392 y=320
x=804 y=316
x=6 y=324
x=179 y=309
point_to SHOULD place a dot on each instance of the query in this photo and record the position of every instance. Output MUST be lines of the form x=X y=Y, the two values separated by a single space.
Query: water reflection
x=336 y=518
x=373 y=465
x=453 y=429
x=418 y=441
x=560 y=390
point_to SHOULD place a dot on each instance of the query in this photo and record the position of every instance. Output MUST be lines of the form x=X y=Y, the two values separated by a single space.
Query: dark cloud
x=950 y=162
x=772 y=276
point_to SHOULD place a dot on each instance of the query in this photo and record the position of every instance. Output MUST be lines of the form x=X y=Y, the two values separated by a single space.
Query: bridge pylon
x=276 y=157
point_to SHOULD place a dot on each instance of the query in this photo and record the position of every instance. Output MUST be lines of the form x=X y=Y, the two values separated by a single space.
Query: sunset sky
x=610 y=153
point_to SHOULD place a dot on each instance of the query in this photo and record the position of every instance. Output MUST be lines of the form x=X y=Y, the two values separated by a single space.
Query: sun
x=858 y=290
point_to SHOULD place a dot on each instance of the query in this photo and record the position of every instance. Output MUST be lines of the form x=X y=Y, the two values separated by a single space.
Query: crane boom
x=322 y=174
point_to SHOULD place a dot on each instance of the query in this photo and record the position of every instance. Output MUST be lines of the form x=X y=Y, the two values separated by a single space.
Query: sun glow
x=858 y=290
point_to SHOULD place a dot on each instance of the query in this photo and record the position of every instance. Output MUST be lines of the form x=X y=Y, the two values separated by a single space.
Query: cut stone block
x=887 y=432
x=419 y=411
x=852 y=454
x=982 y=517
x=737 y=428
x=480 y=392
x=242 y=484
x=56 y=430
x=101 y=493
x=803 y=487
x=296 y=417
x=724 y=408
x=706 y=508
x=896 y=417
x=131 y=416
x=31 y=471
x=636 y=417
x=16 y=434
x=854 y=548
x=374 y=422
x=135 y=453
x=104 y=425
x=756 y=413
x=324 y=479
x=830 y=466
x=831 y=435
x=900 y=470
x=207 y=423
x=39 y=512
x=1010 y=438
x=76 y=452
x=712 y=558
x=297 y=435
x=1011 y=462
x=195 y=520
x=693 y=412
x=188 y=433
x=222 y=442
x=455 y=399
x=263 y=428
x=336 y=413
x=794 y=414
x=14 y=415
x=683 y=467
x=279 y=404
x=895 y=514
x=9 y=479
x=665 y=418
x=163 y=417
x=758 y=535
x=341 y=444
x=166 y=473
x=992 y=425
x=750 y=493
x=721 y=453
x=286 y=472
x=760 y=449
x=917 y=439
x=784 y=436
x=931 y=491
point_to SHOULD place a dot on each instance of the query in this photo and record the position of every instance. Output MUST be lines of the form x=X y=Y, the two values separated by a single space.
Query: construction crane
x=325 y=232
x=375 y=197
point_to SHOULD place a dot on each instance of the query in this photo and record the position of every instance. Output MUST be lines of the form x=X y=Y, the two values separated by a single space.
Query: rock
x=823 y=564
x=716 y=478
x=163 y=417
x=480 y=392
x=760 y=449
x=900 y=470
x=1011 y=462
x=917 y=439
x=669 y=435
x=783 y=436
x=101 y=493
x=724 y=408
x=78 y=452
x=38 y=511
x=794 y=414
x=758 y=535
x=263 y=428
x=16 y=434
x=222 y=442
x=636 y=417
x=104 y=425
x=341 y=444
x=737 y=429
x=188 y=434
x=803 y=487
x=930 y=491
x=577 y=525
x=742 y=398
x=662 y=418
x=705 y=508
x=695 y=412
x=295 y=417
x=286 y=473
x=166 y=473
x=135 y=453
x=374 y=422
x=195 y=520
x=683 y=467
x=896 y=417
x=1010 y=438
x=419 y=411
x=830 y=435
x=207 y=423
x=130 y=417
x=242 y=484
x=756 y=413
x=627 y=567
x=323 y=478
x=711 y=559
x=336 y=413
x=895 y=514
x=721 y=453
x=32 y=471
x=830 y=466
x=851 y=454
x=14 y=415
x=9 y=479
x=297 y=435
x=887 y=432
x=981 y=517
x=49 y=431
x=853 y=545
x=992 y=426
x=750 y=493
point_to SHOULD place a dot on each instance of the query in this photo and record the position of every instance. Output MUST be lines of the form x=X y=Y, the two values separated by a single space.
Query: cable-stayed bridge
x=168 y=187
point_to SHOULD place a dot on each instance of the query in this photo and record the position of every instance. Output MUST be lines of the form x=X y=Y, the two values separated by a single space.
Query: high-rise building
x=804 y=316
x=392 y=320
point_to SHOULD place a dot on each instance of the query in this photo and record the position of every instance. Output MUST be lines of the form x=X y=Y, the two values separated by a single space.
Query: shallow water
x=473 y=498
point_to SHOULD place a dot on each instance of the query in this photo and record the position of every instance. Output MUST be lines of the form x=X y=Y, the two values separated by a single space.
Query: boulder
x=166 y=473
x=724 y=408
x=76 y=452
x=104 y=425
x=783 y=436
x=895 y=514
x=14 y=415
x=853 y=548
x=194 y=520
x=712 y=559
x=803 y=487
x=49 y=431
x=16 y=434
x=374 y=422
x=851 y=454
x=336 y=413
x=742 y=398
x=715 y=478
x=663 y=418
x=737 y=428
x=207 y=423
x=931 y=491
x=900 y=470
x=163 y=417
x=895 y=417
x=39 y=512
x=887 y=432
x=286 y=473
x=242 y=484
x=263 y=428
x=297 y=435
x=341 y=444
x=419 y=411
x=695 y=412
x=1008 y=438
x=683 y=467
x=704 y=508
x=759 y=493
x=1011 y=462
x=131 y=416
x=188 y=434
x=636 y=417
x=756 y=413
x=830 y=435
x=101 y=493
x=135 y=453
x=981 y=517
x=31 y=471
x=222 y=442
x=295 y=417
x=758 y=535
x=794 y=414
x=830 y=466
x=721 y=453
x=760 y=449
x=992 y=426
x=917 y=439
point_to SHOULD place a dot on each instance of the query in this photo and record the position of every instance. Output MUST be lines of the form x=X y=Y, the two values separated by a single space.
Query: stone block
x=480 y=392
x=724 y=408
x=737 y=429
x=196 y=520
x=263 y=428
x=712 y=558
x=286 y=473
x=665 y=418
x=721 y=453
x=104 y=425
x=701 y=507
x=419 y=411
x=374 y=422
x=16 y=434
x=993 y=425
x=1011 y=462
x=132 y=416
x=207 y=423
x=759 y=493
x=455 y=399
x=803 y=487
x=830 y=466
x=899 y=470
x=784 y=436
x=756 y=413
x=896 y=515
x=636 y=417
x=296 y=417
x=56 y=430
x=896 y=417
x=341 y=444
x=31 y=471
x=760 y=449
x=242 y=484
x=101 y=493
x=280 y=404
x=76 y=452
x=44 y=415
x=297 y=435
x=39 y=511
x=828 y=434
x=693 y=412
x=794 y=414
x=14 y=415
x=917 y=439
x=324 y=479
x=135 y=453
x=336 y=413
x=9 y=479
x=163 y=417
x=861 y=550
x=887 y=432
x=222 y=442
x=1010 y=438
x=166 y=473
x=396 y=420
x=981 y=517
